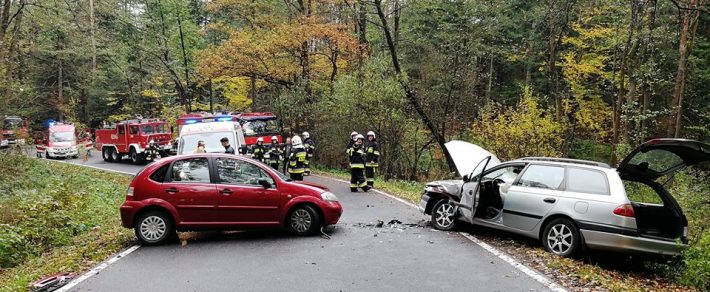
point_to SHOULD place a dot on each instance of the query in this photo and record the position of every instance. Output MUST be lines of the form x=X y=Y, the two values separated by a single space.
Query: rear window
x=587 y=181
x=159 y=174
x=191 y=170
x=658 y=160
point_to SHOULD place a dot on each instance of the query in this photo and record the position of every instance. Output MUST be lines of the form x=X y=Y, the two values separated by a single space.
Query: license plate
x=166 y=147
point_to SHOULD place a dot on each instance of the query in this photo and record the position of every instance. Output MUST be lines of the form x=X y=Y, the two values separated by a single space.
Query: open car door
x=660 y=157
x=471 y=161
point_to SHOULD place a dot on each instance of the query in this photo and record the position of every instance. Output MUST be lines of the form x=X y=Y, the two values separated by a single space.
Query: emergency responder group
x=297 y=153
x=364 y=160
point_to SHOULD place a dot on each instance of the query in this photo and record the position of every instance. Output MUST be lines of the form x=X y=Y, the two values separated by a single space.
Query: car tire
x=561 y=237
x=154 y=228
x=443 y=215
x=303 y=220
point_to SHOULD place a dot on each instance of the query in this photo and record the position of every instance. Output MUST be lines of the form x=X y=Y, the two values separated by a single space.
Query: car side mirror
x=264 y=183
x=465 y=177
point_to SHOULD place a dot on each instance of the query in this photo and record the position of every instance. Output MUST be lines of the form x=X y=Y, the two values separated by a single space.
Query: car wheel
x=443 y=215
x=561 y=237
x=154 y=227
x=303 y=220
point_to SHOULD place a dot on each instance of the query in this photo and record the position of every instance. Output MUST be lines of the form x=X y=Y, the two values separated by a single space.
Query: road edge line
x=537 y=276
x=95 y=270
x=93 y=167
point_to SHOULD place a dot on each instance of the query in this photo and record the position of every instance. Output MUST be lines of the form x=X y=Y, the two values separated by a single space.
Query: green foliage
x=525 y=130
x=50 y=206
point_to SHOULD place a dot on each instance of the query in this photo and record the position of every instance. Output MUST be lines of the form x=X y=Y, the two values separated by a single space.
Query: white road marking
x=95 y=167
x=97 y=269
x=500 y=254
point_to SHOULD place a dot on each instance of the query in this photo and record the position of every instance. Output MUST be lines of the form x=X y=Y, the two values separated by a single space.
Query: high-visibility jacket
x=274 y=153
x=372 y=154
x=257 y=152
x=356 y=155
x=296 y=161
x=310 y=146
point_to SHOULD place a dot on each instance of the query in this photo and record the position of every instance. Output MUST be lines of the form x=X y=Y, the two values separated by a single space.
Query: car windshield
x=61 y=137
x=147 y=129
x=260 y=127
x=161 y=128
x=10 y=124
x=212 y=142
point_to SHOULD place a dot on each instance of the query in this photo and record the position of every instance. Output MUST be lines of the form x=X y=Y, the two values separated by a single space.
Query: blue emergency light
x=49 y=123
x=224 y=119
x=190 y=122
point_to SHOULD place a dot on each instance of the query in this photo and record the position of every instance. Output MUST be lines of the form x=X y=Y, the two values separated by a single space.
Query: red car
x=222 y=191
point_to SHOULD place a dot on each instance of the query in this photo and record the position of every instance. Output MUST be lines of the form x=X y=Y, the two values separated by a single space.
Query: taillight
x=625 y=210
x=129 y=193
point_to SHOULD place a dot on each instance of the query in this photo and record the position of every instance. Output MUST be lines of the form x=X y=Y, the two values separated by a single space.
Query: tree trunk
x=409 y=93
x=4 y=24
x=489 y=88
x=688 y=27
x=362 y=42
x=93 y=39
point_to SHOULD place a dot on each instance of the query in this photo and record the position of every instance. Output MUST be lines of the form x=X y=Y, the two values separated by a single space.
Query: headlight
x=73 y=148
x=328 y=196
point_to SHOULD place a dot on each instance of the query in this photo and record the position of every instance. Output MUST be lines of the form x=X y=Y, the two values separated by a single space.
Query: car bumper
x=64 y=154
x=332 y=212
x=4 y=143
x=128 y=211
x=620 y=242
x=423 y=202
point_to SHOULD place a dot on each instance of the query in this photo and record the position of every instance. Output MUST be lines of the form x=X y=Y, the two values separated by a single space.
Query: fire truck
x=14 y=131
x=130 y=138
x=255 y=125
x=57 y=140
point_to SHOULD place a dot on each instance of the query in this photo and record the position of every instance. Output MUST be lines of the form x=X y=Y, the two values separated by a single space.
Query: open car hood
x=467 y=156
x=660 y=157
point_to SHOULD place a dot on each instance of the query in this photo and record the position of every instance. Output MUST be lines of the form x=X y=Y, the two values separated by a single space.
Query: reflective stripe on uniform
x=377 y=153
x=372 y=165
x=370 y=179
x=362 y=184
x=357 y=165
x=296 y=170
x=353 y=186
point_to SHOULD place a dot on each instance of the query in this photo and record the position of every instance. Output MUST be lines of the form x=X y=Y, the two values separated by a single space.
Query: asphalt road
x=359 y=256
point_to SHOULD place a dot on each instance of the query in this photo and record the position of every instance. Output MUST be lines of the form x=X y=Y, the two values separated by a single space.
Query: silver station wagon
x=570 y=204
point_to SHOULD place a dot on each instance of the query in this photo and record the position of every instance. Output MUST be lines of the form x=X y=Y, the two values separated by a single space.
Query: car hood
x=451 y=187
x=467 y=157
x=315 y=185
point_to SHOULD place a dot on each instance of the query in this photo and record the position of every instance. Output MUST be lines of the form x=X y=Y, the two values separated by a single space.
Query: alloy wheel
x=301 y=220
x=560 y=239
x=445 y=215
x=153 y=228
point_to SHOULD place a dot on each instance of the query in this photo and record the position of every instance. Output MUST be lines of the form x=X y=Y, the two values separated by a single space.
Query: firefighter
x=356 y=153
x=275 y=153
x=310 y=146
x=353 y=137
x=372 y=157
x=200 y=147
x=258 y=150
x=296 y=159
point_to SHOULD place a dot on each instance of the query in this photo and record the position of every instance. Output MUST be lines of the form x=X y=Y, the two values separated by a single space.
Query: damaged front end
x=438 y=190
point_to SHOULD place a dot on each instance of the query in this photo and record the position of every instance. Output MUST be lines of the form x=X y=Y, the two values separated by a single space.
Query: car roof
x=565 y=162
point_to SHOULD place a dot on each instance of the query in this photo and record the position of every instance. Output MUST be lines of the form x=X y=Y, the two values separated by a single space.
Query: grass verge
x=597 y=271
x=56 y=217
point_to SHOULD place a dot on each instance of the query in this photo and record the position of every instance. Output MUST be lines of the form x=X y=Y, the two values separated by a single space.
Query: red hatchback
x=221 y=191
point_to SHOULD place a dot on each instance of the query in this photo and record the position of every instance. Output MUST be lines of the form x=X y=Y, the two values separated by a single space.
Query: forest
x=586 y=79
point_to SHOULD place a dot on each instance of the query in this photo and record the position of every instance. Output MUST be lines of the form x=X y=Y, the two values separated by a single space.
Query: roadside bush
x=47 y=207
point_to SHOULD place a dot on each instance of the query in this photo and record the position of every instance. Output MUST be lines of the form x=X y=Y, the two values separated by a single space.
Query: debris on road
x=52 y=282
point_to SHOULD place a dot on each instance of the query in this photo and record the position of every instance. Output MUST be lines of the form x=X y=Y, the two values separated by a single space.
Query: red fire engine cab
x=131 y=138
x=14 y=131
x=255 y=125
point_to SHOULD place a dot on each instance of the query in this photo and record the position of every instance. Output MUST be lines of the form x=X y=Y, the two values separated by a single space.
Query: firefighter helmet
x=371 y=133
x=306 y=135
x=353 y=134
x=296 y=141
x=260 y=139
x=274 y=139
x=359 y=136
